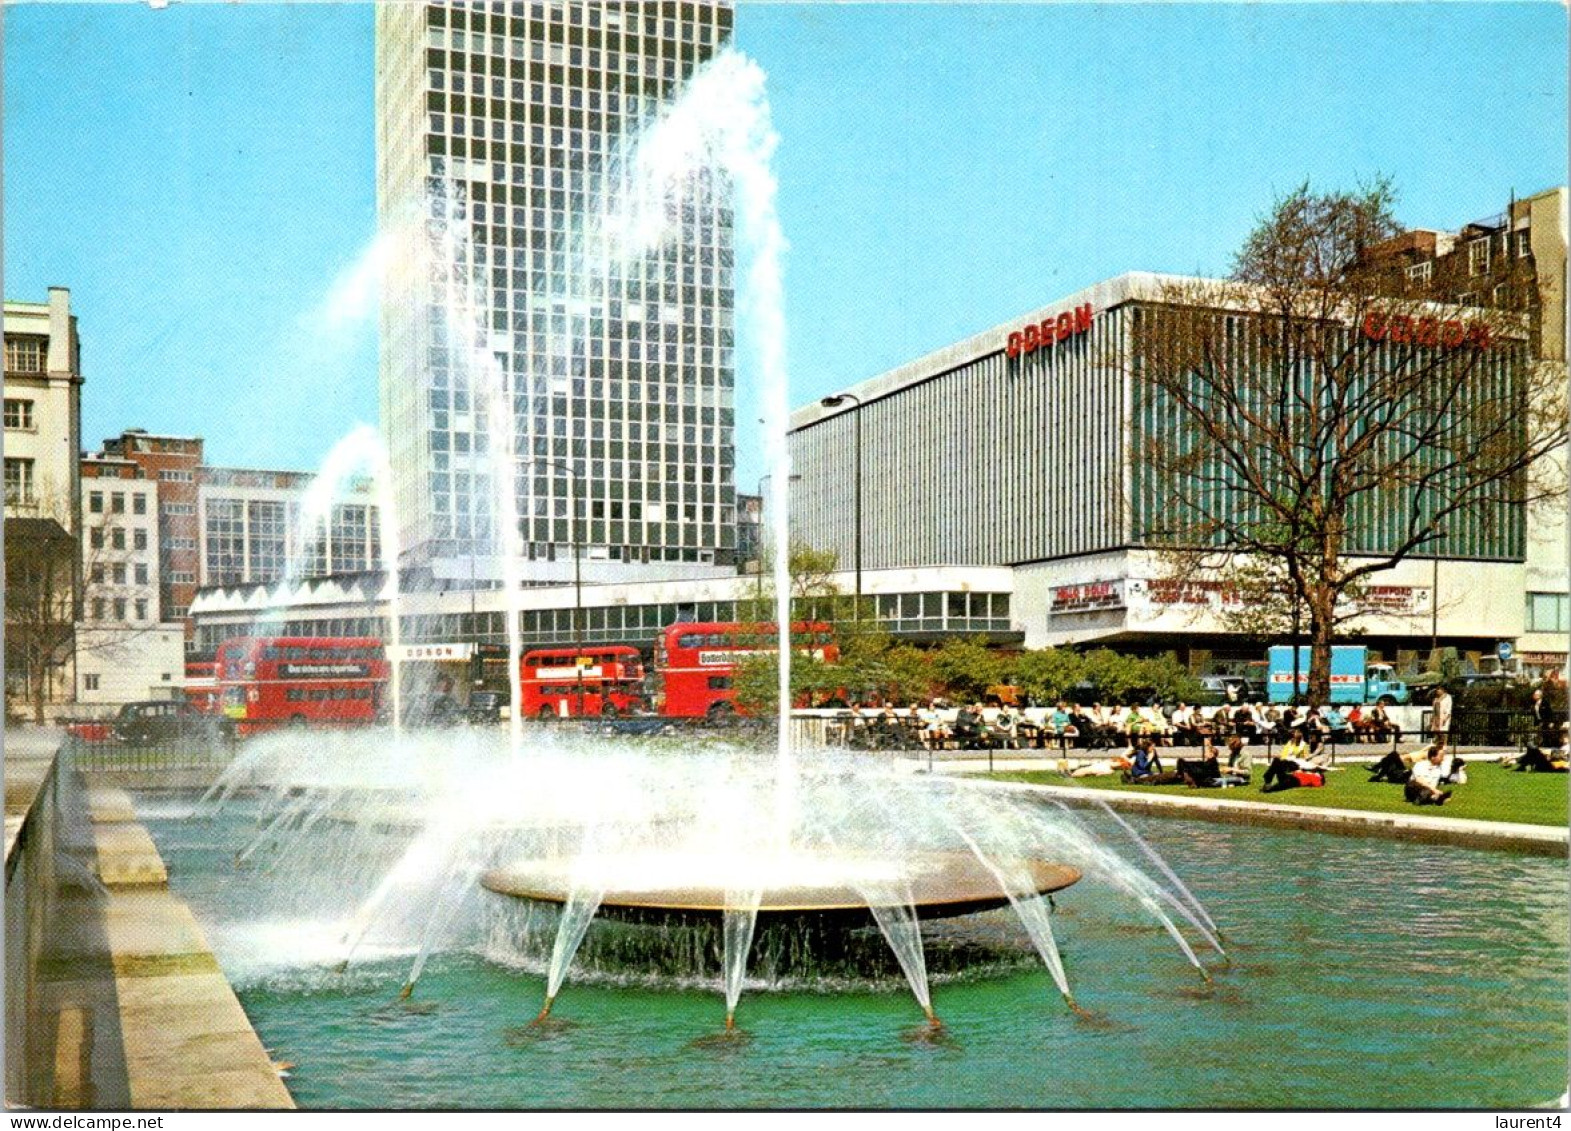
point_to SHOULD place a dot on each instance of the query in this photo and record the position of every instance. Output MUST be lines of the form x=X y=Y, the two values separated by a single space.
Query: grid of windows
x=25 y=353
x=350 y=539
x=225 y=542
x=18 y=415
x=19 y=490
x=622 y=374
x=266 y=540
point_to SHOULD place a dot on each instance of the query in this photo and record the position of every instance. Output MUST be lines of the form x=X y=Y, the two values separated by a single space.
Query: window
x=1548 y=612
x=117 y=538
x=25 y=355
x=1524 y=248
x=90 y=682
x=96 y=537
x=141 y=608
x=95 y=502
x=18 y=482
x=98 y=574
x=118 y=572
x=141 y=573
x=1478 y=256
x=139 y=539
x=119 y=608
x=1421 y=273
x=18 y=415
x=138 y=504
x=117 y=503
x=98 y=607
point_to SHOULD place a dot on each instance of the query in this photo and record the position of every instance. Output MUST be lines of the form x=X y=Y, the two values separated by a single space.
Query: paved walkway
x=128 y=1007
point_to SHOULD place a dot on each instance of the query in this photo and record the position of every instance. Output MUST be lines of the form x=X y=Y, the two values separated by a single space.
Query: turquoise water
x=1365 y=974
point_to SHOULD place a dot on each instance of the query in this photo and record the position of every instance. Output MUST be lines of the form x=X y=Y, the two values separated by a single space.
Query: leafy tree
x=967 y=668
x=1047 y=675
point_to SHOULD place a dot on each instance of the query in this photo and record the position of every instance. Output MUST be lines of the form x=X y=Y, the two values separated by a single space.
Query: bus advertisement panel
x=695 y=664
x=605 y=680
x=270 y=681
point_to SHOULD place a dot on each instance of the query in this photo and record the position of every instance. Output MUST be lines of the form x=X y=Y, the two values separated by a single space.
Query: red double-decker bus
x=201 y=687
x=569 y=682
x=695 y=664
x=293 y=680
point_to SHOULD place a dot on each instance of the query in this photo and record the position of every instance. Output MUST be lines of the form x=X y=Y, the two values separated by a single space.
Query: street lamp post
x=835 y=401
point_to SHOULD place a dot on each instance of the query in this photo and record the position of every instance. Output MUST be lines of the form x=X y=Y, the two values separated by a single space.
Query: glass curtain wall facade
x=994 y=460
x=501 y=128
x=1378 y=519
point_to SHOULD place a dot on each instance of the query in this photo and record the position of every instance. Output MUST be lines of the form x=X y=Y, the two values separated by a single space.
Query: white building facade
x=43 y=410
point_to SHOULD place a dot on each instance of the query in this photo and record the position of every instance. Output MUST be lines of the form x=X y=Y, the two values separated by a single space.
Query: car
x=485 y=707
x=1244 y=690
x=162 y=720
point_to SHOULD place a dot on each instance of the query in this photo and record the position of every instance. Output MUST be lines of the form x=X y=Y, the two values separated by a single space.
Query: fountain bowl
x=664 y=887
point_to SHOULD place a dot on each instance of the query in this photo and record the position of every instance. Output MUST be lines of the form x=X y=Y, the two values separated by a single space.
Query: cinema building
x=1016 y=451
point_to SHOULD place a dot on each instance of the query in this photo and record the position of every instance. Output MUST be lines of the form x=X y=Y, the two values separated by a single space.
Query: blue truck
x=1353 y=678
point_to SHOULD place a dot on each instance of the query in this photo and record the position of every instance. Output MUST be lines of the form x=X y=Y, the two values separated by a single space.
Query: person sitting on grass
x=1202 y=772
x=1240 y=758
x=1423 y=784
x=1318 y=756
x=1288 y=770
x=1145 y=766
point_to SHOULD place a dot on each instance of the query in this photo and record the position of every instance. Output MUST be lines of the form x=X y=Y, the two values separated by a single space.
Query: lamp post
x=835 y=401
x=578 y=566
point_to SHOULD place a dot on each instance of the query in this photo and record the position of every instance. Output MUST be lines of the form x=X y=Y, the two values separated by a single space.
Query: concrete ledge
x=1541 y=840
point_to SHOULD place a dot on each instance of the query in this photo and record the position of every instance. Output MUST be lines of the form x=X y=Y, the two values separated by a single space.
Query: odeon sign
x=1052 y=329
x=1403 y=330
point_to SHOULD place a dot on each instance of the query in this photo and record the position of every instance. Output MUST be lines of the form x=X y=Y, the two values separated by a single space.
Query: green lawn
x=1491 y=793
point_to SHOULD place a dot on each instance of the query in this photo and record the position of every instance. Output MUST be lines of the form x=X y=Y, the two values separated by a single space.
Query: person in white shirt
x=1423 y=784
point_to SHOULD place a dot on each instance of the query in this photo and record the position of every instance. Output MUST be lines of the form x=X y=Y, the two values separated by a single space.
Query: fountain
x=437 y=828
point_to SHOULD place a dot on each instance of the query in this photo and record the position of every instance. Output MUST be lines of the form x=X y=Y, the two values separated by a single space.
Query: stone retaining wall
x=113 y=996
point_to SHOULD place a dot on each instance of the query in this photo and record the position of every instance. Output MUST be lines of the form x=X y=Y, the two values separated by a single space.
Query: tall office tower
x=503 y=131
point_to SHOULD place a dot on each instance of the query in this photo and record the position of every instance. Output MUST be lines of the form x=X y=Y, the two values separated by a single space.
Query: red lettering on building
x=1402 y=330
x=1050 y=331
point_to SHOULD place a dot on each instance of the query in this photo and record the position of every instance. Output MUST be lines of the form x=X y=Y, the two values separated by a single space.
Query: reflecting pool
x=1365 y=973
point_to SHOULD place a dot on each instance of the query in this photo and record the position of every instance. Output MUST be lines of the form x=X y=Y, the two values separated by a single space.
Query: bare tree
x=40 y=605
x=1332 y=421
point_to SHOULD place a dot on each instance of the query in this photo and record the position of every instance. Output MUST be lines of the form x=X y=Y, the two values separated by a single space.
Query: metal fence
x=206 y=750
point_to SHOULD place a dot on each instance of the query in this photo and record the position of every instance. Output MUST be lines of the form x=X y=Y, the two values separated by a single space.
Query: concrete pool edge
x=1539 y=840
x=120 y=1002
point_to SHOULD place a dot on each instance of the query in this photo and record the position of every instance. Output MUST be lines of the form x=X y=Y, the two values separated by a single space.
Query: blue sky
x=203 y=176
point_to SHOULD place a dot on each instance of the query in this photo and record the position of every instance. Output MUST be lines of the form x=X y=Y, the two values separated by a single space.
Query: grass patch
x=1492 y=793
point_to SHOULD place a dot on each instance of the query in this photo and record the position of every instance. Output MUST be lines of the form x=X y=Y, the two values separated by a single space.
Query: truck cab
x=1382 y=686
